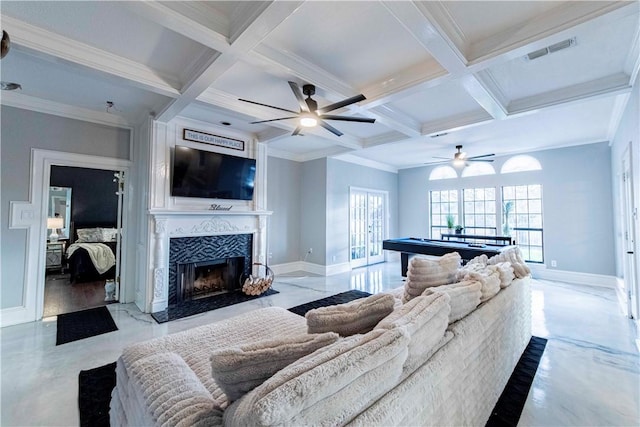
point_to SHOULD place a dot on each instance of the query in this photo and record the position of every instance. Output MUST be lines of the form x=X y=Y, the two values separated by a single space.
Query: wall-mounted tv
x=204 y=174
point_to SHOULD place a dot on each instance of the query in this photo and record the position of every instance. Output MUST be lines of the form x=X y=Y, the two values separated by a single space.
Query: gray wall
x=313 y=211
x=310 y=204
x=283 y=198
x=577 y=204
x=22 y=130
x=341 y=176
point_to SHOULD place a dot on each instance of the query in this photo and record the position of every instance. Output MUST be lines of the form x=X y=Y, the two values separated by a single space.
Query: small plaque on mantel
x=216 y=207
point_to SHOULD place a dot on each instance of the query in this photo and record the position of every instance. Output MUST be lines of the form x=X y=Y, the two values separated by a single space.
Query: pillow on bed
x=108 y=234
x=86 y=235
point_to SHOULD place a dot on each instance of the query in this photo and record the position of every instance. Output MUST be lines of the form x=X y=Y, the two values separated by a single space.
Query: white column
x=160 y=271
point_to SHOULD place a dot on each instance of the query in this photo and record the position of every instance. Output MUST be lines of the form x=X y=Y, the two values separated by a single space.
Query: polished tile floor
x=589 y=374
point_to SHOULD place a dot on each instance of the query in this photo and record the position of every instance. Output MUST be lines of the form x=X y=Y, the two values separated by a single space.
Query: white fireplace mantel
x=171 y=224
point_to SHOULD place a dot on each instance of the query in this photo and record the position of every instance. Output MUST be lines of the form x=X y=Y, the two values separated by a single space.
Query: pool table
x=411 y=246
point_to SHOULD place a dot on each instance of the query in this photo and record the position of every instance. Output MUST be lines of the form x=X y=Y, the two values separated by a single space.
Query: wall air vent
x=550 y=49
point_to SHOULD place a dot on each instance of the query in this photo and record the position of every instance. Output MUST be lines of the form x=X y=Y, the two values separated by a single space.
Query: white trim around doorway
x=30 y=216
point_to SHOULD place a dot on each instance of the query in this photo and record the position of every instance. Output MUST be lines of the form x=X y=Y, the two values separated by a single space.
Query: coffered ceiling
x=435 y=74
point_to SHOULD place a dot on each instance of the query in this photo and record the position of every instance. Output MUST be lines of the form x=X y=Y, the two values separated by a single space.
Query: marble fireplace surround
x=173 y=224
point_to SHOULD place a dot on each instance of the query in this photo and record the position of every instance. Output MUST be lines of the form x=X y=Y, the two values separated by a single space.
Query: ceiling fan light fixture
x=9 y=86
x=308 y=121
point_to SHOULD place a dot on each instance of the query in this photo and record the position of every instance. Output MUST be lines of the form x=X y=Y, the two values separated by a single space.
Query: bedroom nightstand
x=55 y=254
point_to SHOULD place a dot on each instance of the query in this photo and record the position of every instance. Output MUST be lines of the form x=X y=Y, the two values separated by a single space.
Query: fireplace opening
x=208 y=278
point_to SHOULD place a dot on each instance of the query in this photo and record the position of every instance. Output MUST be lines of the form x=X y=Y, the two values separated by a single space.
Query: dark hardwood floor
x=61 y=296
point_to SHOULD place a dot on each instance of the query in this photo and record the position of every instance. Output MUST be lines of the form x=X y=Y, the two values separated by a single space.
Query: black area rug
x=203 y=305
x=340 y=298
x=94 y=395
x=96 y=386
x=84 y=324
x=507 y=411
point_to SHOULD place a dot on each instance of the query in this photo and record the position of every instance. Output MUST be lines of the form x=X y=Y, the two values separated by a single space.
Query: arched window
x=443 y=172
x=520 y=164
x=477 y=169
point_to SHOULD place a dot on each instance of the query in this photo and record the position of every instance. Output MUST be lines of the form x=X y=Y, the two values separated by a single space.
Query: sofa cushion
x=327 y=387
x=172 y=393
x=426 y=319
x=423 y=273
x=489 y=277
x=238 y=370
x=355 y=317
x=464 y=297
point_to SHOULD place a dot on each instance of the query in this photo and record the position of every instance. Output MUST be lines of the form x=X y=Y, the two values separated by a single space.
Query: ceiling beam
x=263 y=24
x=51 y=44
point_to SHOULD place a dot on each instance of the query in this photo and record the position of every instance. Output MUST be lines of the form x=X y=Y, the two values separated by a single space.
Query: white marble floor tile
x=589 y=374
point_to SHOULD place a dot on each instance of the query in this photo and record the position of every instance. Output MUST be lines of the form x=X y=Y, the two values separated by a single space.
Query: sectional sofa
x=417 y=366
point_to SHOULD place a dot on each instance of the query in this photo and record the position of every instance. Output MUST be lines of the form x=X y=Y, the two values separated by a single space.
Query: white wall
x=284 y=199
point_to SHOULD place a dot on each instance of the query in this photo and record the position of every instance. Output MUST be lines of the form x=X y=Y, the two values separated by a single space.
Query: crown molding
x=617 y=112
x=451 y=124
x=362 y=161
x=26 y=102
x=607 y=86
x=52 y=44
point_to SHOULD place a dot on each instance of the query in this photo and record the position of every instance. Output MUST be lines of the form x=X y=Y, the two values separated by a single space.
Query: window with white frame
x=479 y=211
x=443 y=203
x=522 y=218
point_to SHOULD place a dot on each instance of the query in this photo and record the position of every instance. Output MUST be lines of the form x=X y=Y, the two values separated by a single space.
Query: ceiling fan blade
x=267 y=105
x=296 y=131
x=478 y=157
x=444 y=158
x=273 y=120
x=298 y=94
x=342 y=103
x=330 y=128
x=480 y=160
x=438 y=163
x=348 y=118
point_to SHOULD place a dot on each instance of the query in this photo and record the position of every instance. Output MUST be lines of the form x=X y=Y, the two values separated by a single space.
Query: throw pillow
x=108 y=234
x=465 y=297
x=489 y=277
x=238 y=370
x=506 y=273
x=86 y=235
x=425 y=319
x=328 y=387
x=514 y=256
x=355 y=317
x=424 y=273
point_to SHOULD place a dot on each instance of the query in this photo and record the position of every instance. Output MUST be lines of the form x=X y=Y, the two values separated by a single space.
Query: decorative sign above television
x=208 y=138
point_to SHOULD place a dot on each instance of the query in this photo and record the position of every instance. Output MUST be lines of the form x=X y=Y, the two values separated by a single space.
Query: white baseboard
x=622 y=297
x=14 y=316
x=321 y=270
x=590 y=279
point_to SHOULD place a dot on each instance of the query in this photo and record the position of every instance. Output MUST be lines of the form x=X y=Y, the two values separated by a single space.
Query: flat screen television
x=204 y=174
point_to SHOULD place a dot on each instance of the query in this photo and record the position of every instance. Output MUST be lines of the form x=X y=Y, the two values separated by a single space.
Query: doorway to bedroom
x=83 y=237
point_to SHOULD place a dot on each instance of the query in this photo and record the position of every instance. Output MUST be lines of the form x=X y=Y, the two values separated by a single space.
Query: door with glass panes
x=367 y=226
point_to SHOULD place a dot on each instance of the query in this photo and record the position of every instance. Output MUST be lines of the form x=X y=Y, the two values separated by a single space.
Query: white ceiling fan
x=460 y=158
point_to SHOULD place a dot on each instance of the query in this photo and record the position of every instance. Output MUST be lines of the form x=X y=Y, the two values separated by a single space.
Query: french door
x=367 y=226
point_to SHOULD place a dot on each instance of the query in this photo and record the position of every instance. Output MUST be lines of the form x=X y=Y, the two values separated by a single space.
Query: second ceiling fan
x=310 y=115
x=460 y=158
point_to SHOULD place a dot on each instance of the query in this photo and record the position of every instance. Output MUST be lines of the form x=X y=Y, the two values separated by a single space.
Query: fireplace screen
x=208 y=278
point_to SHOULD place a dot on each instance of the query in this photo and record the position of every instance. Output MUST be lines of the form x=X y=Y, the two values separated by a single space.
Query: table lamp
x=54 y=224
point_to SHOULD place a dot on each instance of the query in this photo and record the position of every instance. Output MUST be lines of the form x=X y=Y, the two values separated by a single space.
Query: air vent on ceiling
x=551 y=49
x=436 y=135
